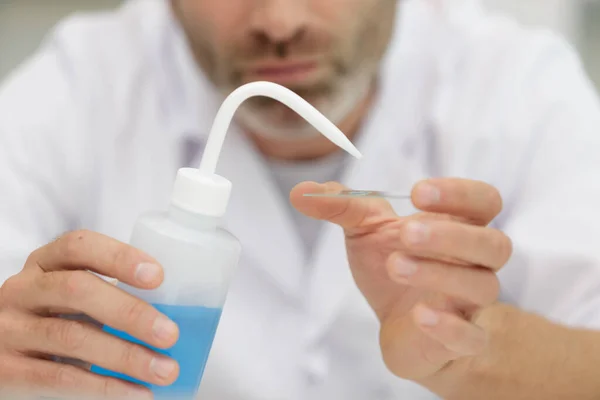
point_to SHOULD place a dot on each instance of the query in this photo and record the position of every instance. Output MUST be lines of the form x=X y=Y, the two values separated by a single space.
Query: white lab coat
x=94 y=126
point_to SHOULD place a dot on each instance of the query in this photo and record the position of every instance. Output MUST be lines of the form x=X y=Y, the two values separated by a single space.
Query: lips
x=284 y=73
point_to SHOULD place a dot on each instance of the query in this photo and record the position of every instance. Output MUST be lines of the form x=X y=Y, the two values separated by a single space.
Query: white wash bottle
x=198 y=256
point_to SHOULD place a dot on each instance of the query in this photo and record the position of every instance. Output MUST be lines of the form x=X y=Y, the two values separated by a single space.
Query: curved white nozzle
x=201 y=191
x=268 y=89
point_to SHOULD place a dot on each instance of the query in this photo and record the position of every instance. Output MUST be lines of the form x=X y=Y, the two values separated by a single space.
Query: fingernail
x=405 y=267
x=162 y=367
x=164 y=328
x=416 y=232
x=428 y=317
x=427 y=194
x=147 y=273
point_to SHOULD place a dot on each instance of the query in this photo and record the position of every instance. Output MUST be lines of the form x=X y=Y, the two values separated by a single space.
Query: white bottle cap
x=201 y=191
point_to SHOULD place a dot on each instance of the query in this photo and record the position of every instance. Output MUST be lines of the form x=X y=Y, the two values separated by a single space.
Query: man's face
x=327 y=51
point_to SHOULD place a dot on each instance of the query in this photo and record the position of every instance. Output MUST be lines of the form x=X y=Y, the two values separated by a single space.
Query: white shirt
x=94 y=126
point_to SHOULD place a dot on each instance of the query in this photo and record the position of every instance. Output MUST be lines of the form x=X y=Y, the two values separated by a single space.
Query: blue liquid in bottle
x=197 y=328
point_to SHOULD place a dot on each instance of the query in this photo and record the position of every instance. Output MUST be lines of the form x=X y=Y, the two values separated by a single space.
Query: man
x=94 y=126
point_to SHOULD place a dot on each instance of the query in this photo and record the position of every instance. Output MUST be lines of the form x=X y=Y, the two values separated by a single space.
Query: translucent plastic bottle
x=198 y=256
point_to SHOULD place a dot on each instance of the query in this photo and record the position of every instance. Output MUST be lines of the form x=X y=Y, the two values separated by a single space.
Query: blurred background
x=23 y=24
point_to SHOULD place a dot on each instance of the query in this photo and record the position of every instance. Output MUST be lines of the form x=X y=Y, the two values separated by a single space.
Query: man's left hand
x=428 y=275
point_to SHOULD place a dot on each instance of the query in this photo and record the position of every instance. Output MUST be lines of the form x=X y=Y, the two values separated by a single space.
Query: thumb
x=349 y=213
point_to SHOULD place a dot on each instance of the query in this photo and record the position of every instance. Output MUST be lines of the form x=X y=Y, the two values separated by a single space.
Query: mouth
x=289 y=73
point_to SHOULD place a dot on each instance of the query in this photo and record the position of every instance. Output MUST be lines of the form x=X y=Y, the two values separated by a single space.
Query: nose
x=280 y=20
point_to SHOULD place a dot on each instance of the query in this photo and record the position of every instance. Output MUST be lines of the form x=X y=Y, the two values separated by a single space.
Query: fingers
x=451 y=240
x=473 y=200
x=458 y=337
x=423 y=342
x=474 y=285
x=101 y=254
x=81 y=341
x=89 y=294
x=33 y=377
x=350 y=213
x=470 y=200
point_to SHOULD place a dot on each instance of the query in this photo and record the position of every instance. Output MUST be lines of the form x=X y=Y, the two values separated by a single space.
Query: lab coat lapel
x=259 y=216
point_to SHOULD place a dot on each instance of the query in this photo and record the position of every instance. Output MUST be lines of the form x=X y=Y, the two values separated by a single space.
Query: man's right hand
x=55 y=281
